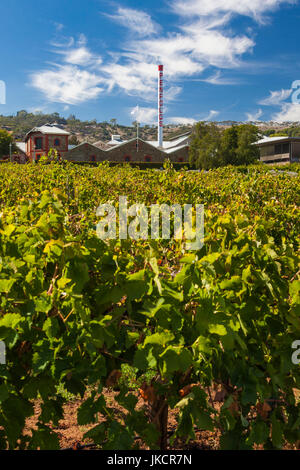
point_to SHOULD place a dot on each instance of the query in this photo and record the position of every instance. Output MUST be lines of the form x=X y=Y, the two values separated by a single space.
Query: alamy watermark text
x=166 y=222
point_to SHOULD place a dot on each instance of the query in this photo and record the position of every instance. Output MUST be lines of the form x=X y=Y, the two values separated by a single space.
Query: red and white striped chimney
x=160 y=104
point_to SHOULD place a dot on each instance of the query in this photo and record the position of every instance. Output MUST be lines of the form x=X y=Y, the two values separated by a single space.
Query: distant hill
x=93 y=131
x=85 y=131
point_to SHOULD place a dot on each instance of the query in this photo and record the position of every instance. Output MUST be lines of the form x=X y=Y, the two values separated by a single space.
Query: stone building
x=40 y=140
x=85 y=152
x=135 y=150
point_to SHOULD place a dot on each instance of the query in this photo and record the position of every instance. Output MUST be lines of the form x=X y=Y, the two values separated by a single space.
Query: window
x=148 y=158
x=92 y=158
x=127 y=158
x=37 y=158
x=282 y=148
x=285 y=148
x=277 y=149
x=56 y=142
x=266 y=151
x=38 y=142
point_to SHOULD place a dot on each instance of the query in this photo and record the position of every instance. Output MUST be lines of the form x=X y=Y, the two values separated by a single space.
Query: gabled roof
x=170 y=147
x=186 y=134
x=21 y=146
x=47 y=129
x=272 y=140
x=124 y=143
x=84 y=144
x=101 y=145
x=173 y=150
x=170 y=144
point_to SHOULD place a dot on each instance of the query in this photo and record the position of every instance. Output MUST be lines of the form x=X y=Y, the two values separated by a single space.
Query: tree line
x=212 y=147
x=5 y=140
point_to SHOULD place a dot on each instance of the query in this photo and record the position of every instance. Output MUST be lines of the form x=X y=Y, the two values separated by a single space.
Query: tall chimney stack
x=160 y=104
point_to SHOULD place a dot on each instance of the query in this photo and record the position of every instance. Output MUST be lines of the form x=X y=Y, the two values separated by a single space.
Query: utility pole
x=137 y=135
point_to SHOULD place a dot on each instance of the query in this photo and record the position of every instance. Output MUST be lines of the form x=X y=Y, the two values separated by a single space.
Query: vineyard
x=77 y=312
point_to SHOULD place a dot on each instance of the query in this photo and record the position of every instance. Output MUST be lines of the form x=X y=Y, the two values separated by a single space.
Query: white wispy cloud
x=181 y=120
x=137 y=21
x=253 y=8
x=276 y=98
x=212 y=114
x=149 y=116
x=290 y=112
x=217 y=79
x=172 y=93
x=80 y=56
x=203 y=38
x=144 y=115
x=77 y=52
x=38 y=109
x=252 y=117
x=67 y=84
x=185 y=120
x=58 y=26
x=133 y=81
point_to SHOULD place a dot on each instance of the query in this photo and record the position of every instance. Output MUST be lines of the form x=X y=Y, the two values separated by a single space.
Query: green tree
x=229 y=144
x=21 y=114
x=237 y=145
x=279 y=134
x=74 y=140
x=246 y=152
x=205 y=146
x=5 y=139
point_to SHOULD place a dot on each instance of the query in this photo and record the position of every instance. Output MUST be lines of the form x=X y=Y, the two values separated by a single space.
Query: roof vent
x=116 y=137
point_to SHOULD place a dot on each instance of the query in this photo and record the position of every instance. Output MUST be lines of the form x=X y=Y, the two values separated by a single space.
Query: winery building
x=40 y=140
x=279 y=150
x=135 y=150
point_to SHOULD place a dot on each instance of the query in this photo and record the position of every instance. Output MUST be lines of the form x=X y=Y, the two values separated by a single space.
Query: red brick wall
x=47 y=143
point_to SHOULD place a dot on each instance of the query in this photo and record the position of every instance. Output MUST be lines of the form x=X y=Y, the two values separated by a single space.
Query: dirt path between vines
x=71 y=434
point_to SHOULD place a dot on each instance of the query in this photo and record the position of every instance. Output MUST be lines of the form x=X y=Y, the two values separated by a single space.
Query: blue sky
x=224 y=59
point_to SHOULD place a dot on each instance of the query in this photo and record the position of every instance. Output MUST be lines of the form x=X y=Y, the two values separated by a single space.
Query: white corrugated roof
x=48 y=129
x=52 y=130
x=21 y=146
x=170 y=144
x=267 y=140
x=117 y=142
x=172 y=150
